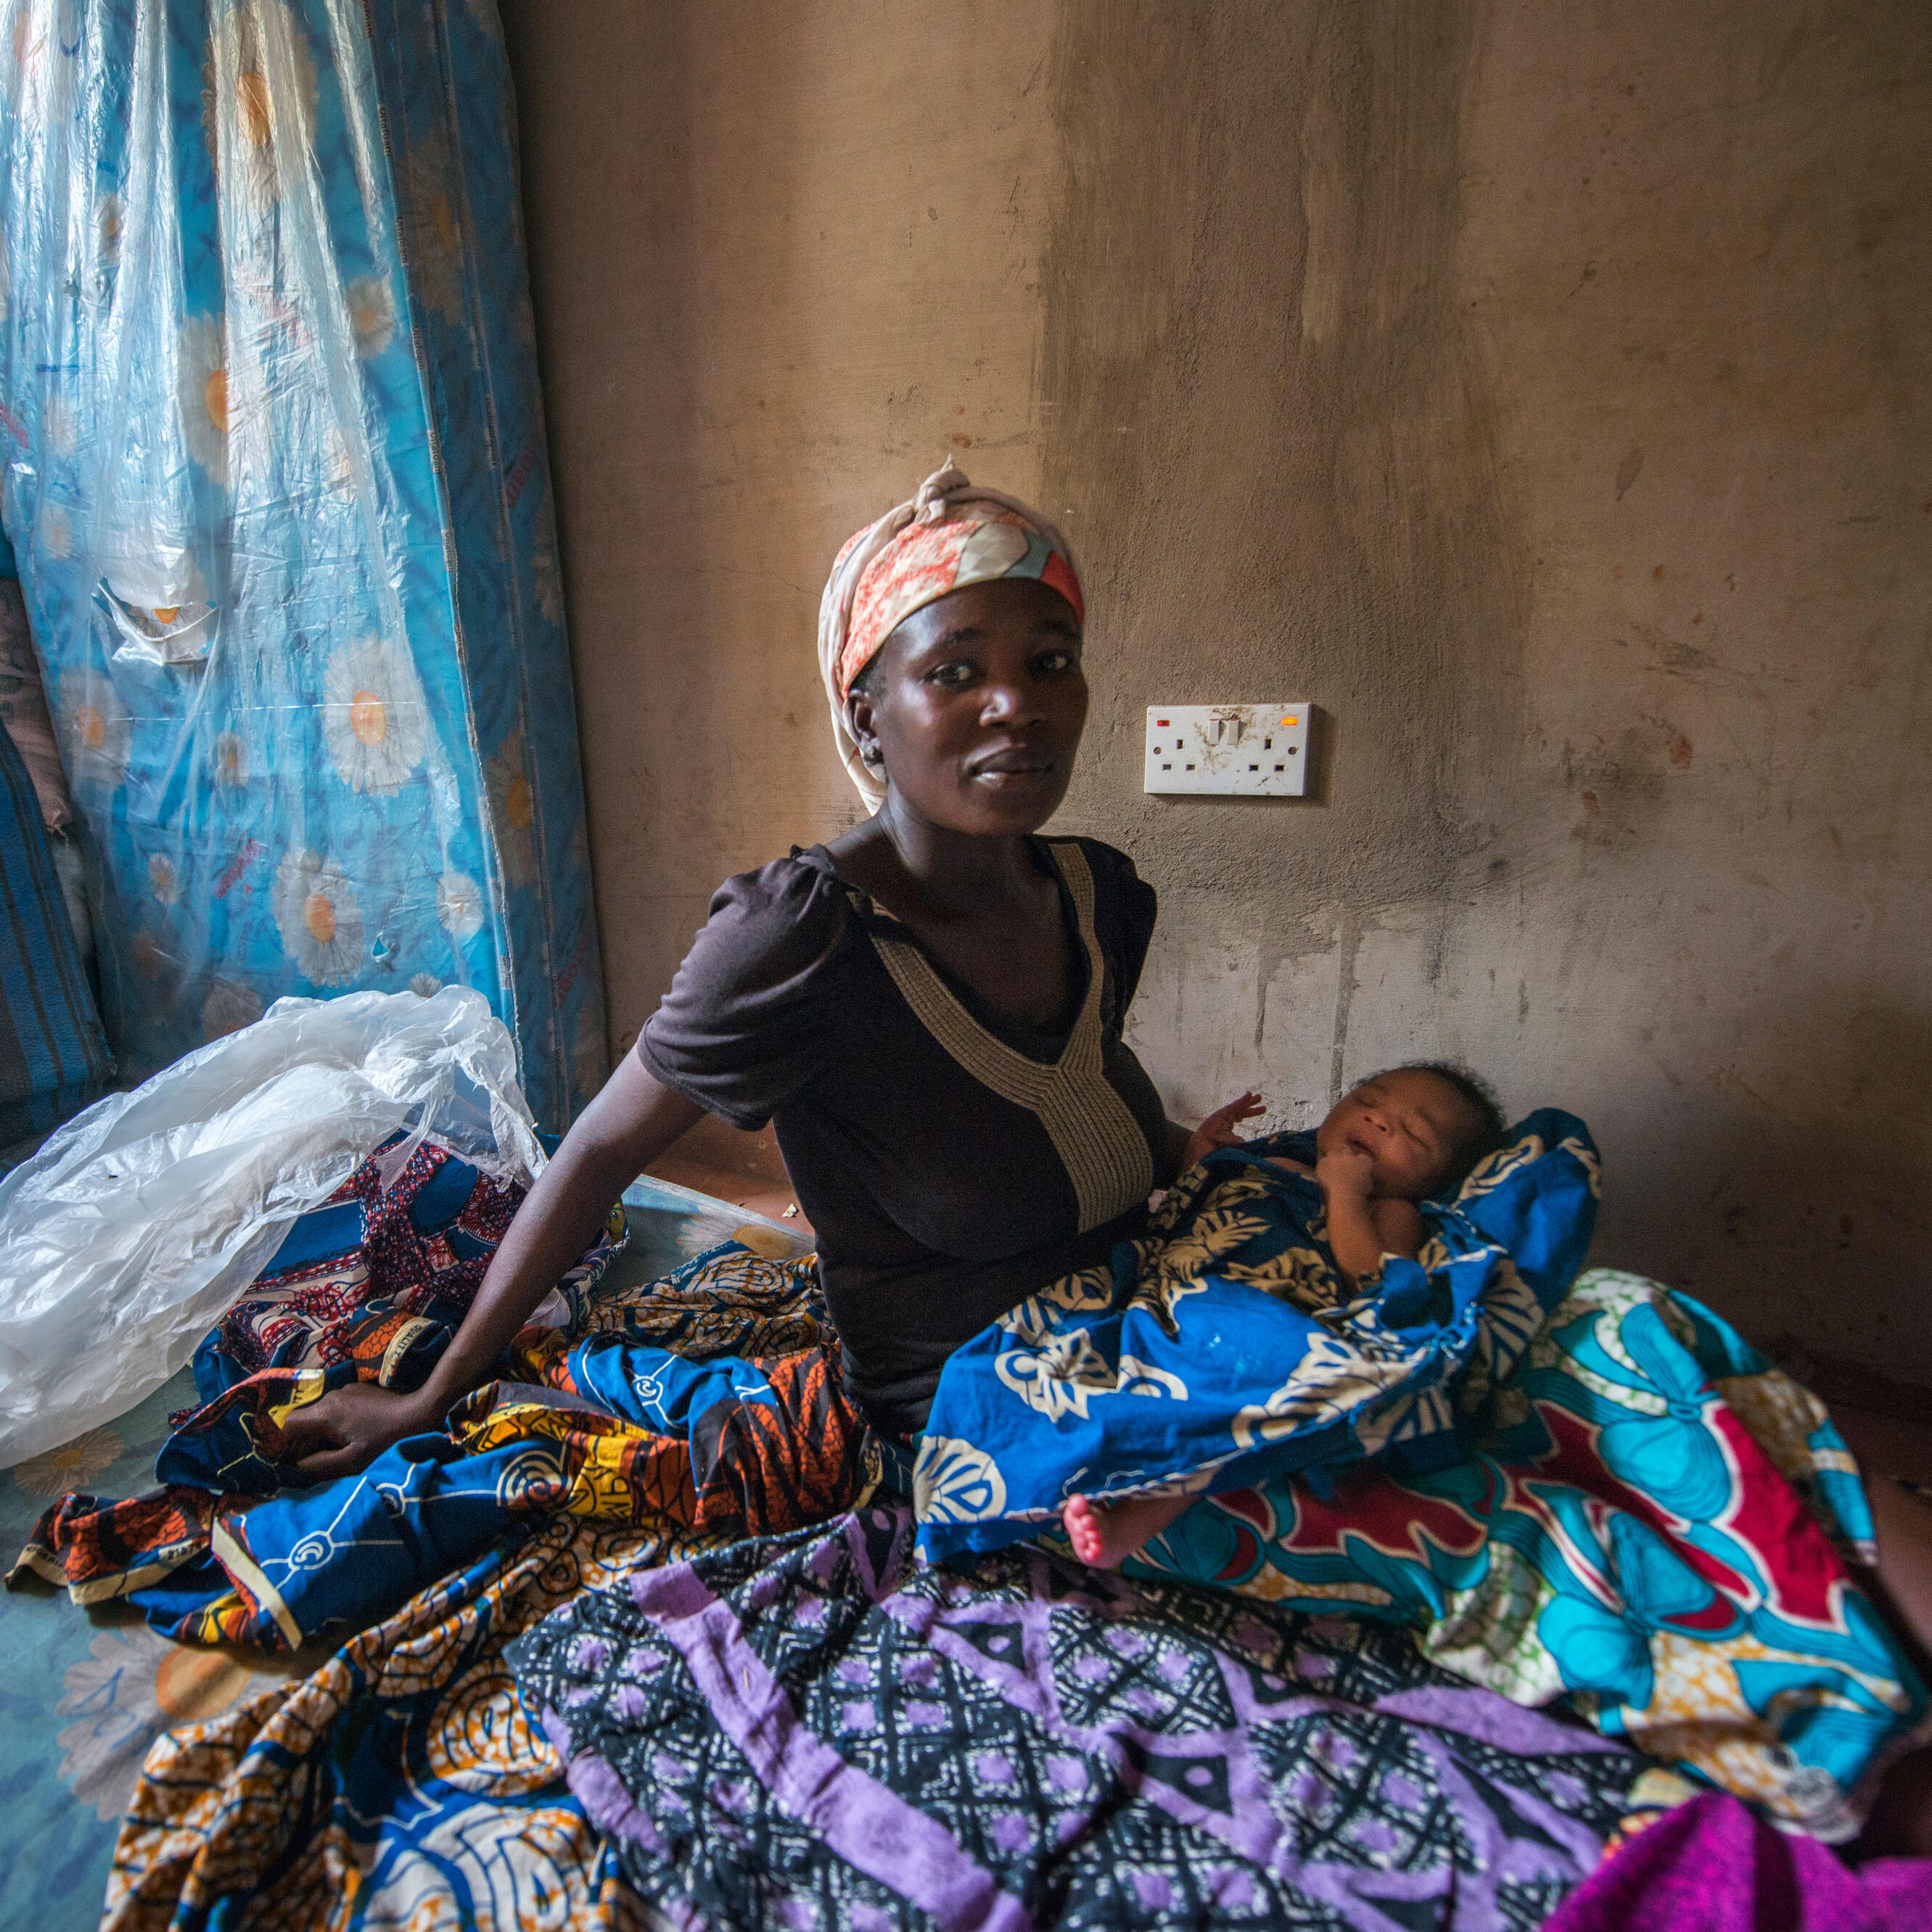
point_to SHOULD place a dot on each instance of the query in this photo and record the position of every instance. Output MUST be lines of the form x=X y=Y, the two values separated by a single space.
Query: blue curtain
x=276 y=477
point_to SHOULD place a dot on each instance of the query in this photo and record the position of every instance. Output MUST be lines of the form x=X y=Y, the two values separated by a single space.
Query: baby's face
x=1409 y=1124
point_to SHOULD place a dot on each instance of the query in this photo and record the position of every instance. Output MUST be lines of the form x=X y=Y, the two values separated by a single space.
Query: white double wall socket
x=1234 y=751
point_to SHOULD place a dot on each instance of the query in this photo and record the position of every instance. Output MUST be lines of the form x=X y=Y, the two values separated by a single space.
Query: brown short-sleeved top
x=952 y=1162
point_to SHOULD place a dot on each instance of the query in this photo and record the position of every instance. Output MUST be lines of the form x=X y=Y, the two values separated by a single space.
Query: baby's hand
x=1347 y=1171
x=1219 y=1129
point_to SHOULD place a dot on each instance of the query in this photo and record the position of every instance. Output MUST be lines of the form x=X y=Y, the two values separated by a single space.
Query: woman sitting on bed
x=931 y=1008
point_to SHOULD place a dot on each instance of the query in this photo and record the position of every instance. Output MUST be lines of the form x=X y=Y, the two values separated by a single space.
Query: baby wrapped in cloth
x=1585 y=1491
x=1228 y=1345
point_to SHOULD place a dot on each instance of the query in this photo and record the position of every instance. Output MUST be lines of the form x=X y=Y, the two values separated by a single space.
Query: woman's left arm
x=632 y=1120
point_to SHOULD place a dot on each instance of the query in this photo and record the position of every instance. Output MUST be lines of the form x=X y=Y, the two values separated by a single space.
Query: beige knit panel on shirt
x=1093 y=1129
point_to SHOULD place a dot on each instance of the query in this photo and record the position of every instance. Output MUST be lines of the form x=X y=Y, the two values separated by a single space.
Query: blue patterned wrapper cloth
x=1226 y=1347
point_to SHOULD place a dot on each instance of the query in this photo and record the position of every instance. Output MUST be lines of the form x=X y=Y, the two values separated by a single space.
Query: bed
x=83 y=1698
x=1024 y=1735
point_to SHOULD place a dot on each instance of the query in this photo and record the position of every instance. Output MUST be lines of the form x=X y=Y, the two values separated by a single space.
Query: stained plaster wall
x=1541 y=390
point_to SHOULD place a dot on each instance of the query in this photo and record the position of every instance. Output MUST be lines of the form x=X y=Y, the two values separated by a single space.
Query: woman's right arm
x=631 y=1121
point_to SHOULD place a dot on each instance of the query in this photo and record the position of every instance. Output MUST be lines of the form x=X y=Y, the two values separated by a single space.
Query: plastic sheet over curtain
x=276 y=476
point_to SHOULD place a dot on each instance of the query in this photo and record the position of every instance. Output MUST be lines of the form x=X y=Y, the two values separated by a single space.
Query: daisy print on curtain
x=278 y=486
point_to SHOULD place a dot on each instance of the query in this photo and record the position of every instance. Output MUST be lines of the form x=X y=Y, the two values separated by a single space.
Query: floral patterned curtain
x=276 y=475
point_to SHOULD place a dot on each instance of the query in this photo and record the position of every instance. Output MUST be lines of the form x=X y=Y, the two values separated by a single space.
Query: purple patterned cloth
x=1712 y=1866
x=810 y=1731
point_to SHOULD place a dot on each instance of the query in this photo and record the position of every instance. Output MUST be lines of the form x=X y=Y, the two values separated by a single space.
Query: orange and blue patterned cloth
x=1590 y=1492
x=444 y=1806
x=613 y=1415
x=1645 y=1524
x=1651 y=1531
x=949 y=536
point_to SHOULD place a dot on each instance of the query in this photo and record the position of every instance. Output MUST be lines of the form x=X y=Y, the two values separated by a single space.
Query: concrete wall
x=1541 y=390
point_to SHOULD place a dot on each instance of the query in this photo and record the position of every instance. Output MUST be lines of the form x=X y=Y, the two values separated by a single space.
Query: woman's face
x=975 y=704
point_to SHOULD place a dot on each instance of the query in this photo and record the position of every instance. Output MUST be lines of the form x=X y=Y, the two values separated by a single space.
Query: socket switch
x=1233 y=751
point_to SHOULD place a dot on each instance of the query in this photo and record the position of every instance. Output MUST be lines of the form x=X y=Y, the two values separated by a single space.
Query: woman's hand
x=616 y=1137
x=350 y=1427
x=1221 y=1128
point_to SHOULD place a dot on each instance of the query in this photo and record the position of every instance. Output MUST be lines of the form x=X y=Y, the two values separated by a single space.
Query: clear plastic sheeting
x=275 y=474
x=136 y=1225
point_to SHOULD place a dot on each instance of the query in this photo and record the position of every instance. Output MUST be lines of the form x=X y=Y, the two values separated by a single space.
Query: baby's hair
x=1491 y=1127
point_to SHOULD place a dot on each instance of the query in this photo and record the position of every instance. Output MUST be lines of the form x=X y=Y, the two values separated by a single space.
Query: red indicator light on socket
x=1162 y=722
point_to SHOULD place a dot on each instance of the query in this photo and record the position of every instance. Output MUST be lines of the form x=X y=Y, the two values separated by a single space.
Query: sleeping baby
x=1399 y=1138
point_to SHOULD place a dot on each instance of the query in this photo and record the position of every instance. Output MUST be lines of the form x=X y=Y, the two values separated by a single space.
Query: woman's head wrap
x=950 y=535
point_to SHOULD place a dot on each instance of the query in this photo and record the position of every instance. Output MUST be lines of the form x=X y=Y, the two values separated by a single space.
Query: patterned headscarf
x=950 y=535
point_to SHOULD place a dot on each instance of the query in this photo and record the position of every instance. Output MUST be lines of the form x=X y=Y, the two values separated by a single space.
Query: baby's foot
x=1105 y=1534
x=1088 y=1527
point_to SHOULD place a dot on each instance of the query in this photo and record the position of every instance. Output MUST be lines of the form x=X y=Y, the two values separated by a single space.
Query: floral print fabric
x=83 y=1701
x=395 y=1783
x=1651 y=1528
x=599 y=1419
